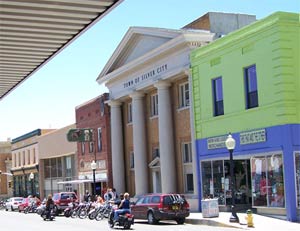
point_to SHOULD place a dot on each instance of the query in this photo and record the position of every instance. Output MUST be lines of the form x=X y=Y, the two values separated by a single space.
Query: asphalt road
x=15 y=221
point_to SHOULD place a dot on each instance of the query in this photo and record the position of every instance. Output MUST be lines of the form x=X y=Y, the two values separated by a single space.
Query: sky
x=49 y=97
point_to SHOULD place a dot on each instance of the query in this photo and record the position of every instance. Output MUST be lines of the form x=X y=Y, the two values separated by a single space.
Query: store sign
x=216 y=142
x=252 y=137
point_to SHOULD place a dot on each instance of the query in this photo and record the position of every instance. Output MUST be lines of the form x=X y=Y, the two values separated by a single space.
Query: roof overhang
x=33 y=32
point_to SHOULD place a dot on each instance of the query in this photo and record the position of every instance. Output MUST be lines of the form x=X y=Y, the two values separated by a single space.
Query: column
x=166 y=138
x=139 y=144
x=117 y=152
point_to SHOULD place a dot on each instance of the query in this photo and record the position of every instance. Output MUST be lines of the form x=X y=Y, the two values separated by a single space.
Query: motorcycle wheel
x=111 y=223
x=92 y=215
x=127 y=225
x=74 y=214
x=82 y=214
x=99 y=216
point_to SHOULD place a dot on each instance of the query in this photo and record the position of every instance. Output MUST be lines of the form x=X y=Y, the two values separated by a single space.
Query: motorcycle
x=69 y=210
x=40 y=209
x=104 y=211
x=32 y=208
x=124 y=220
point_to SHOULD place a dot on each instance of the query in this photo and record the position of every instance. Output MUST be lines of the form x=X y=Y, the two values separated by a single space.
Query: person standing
x=87 y=196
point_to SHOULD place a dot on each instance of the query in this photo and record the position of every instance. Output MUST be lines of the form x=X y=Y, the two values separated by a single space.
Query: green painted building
x=248 y=83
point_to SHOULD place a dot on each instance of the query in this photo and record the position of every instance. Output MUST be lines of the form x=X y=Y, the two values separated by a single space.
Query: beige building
x=57 y=162
x=149 y=80
x=25 y=156
x=5 y=166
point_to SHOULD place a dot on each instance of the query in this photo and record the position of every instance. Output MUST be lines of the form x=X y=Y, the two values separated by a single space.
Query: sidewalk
x=260 y=222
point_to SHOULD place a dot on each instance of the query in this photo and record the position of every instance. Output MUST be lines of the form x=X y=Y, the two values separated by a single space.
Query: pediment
x=137 y=42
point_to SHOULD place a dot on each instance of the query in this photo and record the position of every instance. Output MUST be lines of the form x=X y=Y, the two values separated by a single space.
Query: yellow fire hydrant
x=249 y=218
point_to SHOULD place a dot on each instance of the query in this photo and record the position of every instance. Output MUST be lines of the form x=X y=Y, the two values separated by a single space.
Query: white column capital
x=137 y=95
x=162 y=85
x=114 y=103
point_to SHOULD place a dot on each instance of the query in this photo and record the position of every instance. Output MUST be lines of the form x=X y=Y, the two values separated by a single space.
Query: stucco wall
x=55 y=143
x=272 y=44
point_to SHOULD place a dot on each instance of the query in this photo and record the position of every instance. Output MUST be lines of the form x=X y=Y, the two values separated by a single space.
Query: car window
x=167 y=200
x=64 y=196
x=146 y=200
x=55 y=197
x=139 y=201
x=155 y=199
x=19 y=199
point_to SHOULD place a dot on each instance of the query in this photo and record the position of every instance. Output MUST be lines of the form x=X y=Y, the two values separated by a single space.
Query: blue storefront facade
x=272 y=153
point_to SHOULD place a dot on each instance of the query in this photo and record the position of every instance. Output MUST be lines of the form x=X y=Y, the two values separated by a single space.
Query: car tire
x=151 y=219
x=180 y=221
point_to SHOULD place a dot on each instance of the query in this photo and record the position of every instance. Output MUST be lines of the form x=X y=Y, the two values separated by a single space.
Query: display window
x=267 y=181
x=216 y=181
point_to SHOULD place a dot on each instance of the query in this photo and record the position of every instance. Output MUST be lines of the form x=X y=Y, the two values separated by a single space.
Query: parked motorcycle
x=125 y=220
x=41 y=208
x=32 y=208
x=69 y=210
x=104 y=211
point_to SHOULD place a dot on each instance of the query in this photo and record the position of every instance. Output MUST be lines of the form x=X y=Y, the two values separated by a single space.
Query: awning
x=79 y=181
x=33 y=32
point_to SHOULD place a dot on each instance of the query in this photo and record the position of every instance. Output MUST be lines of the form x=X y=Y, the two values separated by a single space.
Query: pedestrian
x=87 y=196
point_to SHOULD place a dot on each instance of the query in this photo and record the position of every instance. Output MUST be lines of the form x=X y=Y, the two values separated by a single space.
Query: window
x=129 y=113
x=91 y=147
x=251 y=87
x=155 y=153
x=189 y=178
x=184 y=95
x=218 y=96
x=154 y=105
x=267 y=181
x=187 y=153
x=82 y=148
x=187 y=167
x=131 y=160
x=99 y=139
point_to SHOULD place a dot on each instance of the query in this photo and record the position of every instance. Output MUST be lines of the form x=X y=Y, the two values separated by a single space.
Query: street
x=15 y=221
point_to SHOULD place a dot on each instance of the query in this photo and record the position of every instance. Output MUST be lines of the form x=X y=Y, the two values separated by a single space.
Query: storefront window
x=206 y=179
x=218 y=181
x=267 y=181
x=297 y=167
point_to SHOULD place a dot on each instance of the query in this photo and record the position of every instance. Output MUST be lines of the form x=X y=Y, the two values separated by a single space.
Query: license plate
x=129 y=219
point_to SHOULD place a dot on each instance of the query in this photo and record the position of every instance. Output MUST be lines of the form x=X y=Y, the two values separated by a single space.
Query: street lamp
x=94 y=166
x=230 y=145
x=31 y=178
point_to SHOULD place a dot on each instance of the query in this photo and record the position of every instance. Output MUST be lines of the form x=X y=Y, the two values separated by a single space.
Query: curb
x=210 y=223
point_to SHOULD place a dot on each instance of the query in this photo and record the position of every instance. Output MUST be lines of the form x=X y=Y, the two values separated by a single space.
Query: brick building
x=95 y=115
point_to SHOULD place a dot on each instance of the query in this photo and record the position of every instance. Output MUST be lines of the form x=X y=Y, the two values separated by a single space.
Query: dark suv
x=156 y=207
x=62 y=199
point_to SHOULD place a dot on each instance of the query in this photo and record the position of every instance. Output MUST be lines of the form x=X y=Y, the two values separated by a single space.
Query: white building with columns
x=149 y=79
